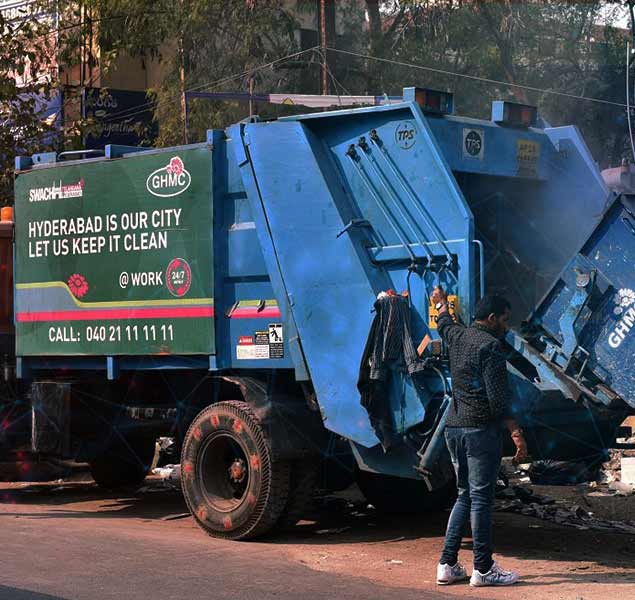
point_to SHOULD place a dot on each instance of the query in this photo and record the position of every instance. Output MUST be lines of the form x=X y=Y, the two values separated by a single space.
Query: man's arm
x=446 y=326
x=494 y=370
x=499 y=396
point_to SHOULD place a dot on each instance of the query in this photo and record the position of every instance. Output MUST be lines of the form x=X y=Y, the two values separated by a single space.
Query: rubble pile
x=522 y=500
x=611 y=469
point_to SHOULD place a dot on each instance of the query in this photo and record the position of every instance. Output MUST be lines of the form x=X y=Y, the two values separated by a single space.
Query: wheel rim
x=223 y=470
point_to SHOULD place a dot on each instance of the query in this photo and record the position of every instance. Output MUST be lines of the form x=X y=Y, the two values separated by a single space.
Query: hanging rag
x=389 y=346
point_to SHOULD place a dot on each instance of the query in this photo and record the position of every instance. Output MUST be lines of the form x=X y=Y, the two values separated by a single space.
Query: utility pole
x=325 y=82
x=183 y=92
x=182 y=77
x=82 y=46
x=251 y=95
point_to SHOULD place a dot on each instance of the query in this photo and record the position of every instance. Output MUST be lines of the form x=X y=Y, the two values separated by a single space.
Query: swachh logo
x=168 y=181
x=625 y=309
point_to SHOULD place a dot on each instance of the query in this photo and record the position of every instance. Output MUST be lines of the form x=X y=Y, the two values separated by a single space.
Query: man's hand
x=439 y=295
x=522 y=454
x=518 y=437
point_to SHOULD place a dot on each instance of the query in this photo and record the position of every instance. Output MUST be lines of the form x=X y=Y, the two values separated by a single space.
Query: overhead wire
x=130 y=112
x=204 y=86
x=475 y=77
x=336 y=84
x=210 y=85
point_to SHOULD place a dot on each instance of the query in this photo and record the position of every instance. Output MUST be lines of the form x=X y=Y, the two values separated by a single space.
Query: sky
x=624 y=18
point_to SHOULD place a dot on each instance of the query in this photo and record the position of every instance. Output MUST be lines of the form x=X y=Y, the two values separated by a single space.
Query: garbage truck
x=223 y=293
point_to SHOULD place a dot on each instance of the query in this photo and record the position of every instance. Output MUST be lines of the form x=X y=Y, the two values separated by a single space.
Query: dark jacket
x=388 y=347
x=480 y=387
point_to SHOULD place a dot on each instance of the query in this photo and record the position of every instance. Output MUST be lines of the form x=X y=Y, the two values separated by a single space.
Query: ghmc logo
x=624 y=308
x=623 y=299
x=171 y=180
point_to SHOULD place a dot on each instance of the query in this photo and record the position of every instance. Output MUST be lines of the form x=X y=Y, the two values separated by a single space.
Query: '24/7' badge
x=178 y=277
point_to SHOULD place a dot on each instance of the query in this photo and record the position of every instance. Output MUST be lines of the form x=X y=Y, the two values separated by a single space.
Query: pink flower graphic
x=78 y=285
x=175 y=166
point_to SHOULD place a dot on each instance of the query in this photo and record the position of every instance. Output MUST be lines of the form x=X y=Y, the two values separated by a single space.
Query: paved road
x=75 y=542
x=83 y=547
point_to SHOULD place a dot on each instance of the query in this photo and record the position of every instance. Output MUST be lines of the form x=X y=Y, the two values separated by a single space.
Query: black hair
x=491 y=304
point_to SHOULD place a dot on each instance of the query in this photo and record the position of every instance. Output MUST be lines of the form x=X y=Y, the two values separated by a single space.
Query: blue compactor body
x=313 y=217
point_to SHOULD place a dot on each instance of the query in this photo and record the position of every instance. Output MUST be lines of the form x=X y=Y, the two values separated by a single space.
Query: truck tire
x=233 y=484
x=400 y=496
x=303 y=481
x=124 y=464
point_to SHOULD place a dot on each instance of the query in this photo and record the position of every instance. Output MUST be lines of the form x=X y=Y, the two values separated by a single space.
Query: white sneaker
x=495 y=576
x=447 y=574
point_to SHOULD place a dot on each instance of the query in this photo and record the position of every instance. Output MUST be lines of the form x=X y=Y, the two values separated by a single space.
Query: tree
x=27 y=86
x=550 y=46
x=520 y=51
x=210 y=41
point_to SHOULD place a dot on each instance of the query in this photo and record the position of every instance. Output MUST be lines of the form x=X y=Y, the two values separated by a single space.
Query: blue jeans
x=476 y=456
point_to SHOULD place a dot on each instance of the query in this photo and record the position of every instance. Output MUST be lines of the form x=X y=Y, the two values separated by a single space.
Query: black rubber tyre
x=234 y=485
x=124 y=464
x=304 y=476
x=396 y=495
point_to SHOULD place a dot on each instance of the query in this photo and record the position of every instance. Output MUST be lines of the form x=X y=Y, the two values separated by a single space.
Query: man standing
x=474 y=429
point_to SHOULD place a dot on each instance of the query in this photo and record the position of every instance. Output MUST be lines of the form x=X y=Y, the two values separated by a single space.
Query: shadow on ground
x=11 y=593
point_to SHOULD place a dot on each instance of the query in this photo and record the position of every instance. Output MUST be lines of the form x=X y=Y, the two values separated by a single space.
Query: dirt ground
x=343 y=536
x=554 y=561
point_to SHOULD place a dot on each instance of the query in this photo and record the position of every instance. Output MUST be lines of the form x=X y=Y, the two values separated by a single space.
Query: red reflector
x=433 y=100
x=518 y=115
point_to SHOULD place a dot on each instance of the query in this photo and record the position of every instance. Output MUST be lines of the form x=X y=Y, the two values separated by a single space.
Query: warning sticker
x=527 y=155
x=262 y=345
x=276 y=345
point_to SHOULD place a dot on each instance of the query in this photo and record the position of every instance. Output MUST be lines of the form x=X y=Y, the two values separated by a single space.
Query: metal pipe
x=406 y=186
x=430 y=456
x=381 y=205
x=395 y=200
x=481 y=260
x=628 y=95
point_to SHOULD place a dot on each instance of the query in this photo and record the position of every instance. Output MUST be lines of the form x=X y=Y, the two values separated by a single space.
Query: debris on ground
x=522 y=500
x=561 y=472
x=167 y=451
x=168 y=471
x=611 y=470
x=176 y=516
x=512 y=494
x=621 y=488
x=332 y=530
x=169 y=479
x=390 y=541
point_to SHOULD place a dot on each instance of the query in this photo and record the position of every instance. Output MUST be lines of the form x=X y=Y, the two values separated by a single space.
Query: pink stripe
x=251 y=312
x=181 y=312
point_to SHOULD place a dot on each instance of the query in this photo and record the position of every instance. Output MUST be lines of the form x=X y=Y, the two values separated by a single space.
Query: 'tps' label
x=171 y=180
x=473 y=143
x=406 y=135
